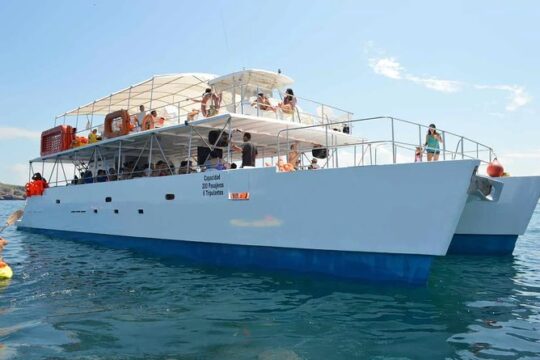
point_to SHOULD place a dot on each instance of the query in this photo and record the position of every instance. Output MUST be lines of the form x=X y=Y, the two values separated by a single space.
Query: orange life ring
x=121 y=119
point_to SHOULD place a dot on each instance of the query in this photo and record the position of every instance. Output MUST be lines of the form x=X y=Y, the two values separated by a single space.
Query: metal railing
x=306 y=111
x=389 y=136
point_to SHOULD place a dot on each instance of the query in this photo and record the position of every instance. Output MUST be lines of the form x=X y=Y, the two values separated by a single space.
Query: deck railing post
x=151 y=94
x=462 y=153
x=150 y=151
x=92 y=116
x=188 y=165
x=77 y=119
x=444 y=145
x=242 y=99
x=257 y=102
x=477 y=152
x=119 y=159
x=393 y=142
x=129 y=99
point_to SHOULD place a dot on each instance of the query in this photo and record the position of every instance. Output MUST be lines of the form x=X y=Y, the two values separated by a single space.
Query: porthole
x=169 y=197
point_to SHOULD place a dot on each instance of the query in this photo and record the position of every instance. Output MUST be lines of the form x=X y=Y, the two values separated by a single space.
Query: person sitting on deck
x=249 y=151
x=112 y=175
x=418 y=154
x=289 y=102
x=150 y=121
x=283 y=166
x=314 y=165
x=88 y=179
x=263 y=103
x=93 y=137
x=101 y=176
x=161 y=169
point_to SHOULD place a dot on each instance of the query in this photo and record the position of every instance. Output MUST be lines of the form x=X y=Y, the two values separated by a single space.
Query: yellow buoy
x=5 y=271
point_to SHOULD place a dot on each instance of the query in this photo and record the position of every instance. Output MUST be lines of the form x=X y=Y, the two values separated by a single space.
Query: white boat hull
x=492 y=228
x=373 y=222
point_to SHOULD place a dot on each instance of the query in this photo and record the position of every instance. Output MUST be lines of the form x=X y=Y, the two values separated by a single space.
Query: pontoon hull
x=492 y=228
x=365 y=223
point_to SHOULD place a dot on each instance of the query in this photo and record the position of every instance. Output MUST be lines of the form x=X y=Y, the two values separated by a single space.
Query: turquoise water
x=69 y=300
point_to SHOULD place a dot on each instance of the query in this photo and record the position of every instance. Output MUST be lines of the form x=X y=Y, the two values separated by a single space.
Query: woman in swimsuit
x=433 y=139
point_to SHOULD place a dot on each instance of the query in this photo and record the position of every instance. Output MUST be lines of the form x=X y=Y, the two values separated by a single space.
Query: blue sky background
x=470 y=67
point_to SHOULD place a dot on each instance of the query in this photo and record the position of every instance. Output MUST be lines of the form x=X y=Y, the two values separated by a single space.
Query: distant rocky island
x=12 y=192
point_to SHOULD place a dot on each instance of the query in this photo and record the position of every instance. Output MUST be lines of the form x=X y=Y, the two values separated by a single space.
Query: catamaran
x=175 y=188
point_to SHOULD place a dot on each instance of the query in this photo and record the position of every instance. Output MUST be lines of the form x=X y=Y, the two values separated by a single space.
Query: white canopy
x=263 y=79
x=158 y=91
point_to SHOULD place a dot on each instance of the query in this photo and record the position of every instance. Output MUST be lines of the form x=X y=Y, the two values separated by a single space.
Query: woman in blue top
x=433 y=139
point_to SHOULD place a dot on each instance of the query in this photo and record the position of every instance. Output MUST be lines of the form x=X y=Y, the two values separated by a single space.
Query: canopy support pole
x=119 y=158
x=188 y=166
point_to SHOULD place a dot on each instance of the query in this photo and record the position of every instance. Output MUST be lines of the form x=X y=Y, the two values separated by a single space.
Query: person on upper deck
x=433 y=139
x=150 y=120
x=289 y=102
x=249 y=151
x=263 y=103
x=138 y=119
x=93 y=137
x=210 y=103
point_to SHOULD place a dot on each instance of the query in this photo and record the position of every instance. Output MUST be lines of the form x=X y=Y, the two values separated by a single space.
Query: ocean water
x=70 y=300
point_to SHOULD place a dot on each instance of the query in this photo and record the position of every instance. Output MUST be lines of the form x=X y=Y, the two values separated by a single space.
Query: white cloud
x=517 y=95
x=10 y=133
x=436 y=84
x=388 y=67
x=391 y=68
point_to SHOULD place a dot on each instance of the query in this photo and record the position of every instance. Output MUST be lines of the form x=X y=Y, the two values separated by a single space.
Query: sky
x=470 y=67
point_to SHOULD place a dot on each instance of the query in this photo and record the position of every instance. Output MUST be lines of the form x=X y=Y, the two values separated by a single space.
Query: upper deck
x=177 y=98
x=185 y=130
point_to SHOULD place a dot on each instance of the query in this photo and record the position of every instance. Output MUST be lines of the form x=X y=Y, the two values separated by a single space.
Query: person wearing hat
x=432 y=145
x=314 y=165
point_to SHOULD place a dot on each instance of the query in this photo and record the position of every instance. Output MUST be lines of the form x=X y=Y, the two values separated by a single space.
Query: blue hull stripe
x=400 y=268
x=473 y=244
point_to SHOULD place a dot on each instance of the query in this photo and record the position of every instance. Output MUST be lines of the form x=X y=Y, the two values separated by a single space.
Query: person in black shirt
x=249 y=151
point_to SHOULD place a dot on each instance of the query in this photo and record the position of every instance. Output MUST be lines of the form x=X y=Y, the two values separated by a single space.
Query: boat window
x=141 y=211
x=169 y=197
x=116 y=211
x=95 y=211
x=108 y=199
x=57 y=201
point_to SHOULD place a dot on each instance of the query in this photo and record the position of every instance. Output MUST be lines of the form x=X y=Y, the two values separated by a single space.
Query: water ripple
x=70 y=300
